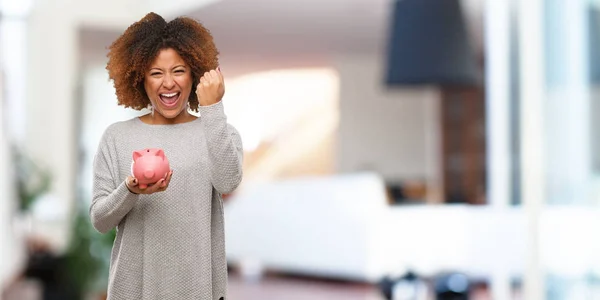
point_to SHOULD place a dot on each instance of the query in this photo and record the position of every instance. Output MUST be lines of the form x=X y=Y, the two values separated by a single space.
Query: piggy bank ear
x=160 y=153
x=137 y=154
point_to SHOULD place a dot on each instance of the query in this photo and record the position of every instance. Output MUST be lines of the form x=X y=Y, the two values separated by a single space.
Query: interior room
x=392 y=149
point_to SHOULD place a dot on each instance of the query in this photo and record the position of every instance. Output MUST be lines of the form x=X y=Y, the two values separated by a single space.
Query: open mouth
x=169 y=100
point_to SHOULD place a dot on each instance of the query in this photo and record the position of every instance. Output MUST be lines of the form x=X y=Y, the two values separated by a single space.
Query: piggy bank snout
x=149 y=174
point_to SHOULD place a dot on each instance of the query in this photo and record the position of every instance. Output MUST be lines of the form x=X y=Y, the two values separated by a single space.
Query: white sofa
x=342 y=227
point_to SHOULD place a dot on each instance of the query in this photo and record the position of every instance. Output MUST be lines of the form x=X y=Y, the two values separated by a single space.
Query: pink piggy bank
x=149 y=166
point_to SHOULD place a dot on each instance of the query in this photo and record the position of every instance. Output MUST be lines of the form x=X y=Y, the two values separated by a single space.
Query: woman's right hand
x=161 y=186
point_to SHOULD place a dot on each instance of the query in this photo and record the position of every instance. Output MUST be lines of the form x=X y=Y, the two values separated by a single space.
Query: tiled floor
x=281 y=287
x=294 y=288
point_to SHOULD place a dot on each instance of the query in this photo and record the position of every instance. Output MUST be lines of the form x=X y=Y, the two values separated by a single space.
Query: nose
x=168 y=82
x=148 y=174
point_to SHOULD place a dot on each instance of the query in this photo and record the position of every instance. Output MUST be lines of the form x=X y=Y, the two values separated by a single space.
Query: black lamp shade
x=429 y=44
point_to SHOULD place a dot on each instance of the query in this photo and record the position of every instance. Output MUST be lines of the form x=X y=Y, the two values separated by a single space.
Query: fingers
x=163 y=184
x=214 y=76
x=131 y=181
x=220 y=74
x=217 y=77
x=207 y=78
x=155 y=187
x=210 y=88
x=132 y=184
x=203 y=82
x=160 y=186
x=211 y=77
x=168 y=179
x=165 y=181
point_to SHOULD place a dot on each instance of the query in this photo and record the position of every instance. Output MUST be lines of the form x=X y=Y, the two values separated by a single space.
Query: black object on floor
x=407 y=287
x=453 y=286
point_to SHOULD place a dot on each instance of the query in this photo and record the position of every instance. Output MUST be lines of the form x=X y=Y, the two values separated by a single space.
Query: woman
x=170 y=240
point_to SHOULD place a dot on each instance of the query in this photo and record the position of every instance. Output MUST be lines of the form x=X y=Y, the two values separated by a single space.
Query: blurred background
x=394 y=149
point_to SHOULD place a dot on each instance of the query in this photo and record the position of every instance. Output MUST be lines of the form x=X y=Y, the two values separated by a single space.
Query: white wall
x=51 y=78
x=390 y=131
x=99 y=110
x=8 y=251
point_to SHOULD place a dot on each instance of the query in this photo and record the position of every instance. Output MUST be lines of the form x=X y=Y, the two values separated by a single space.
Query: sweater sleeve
x=111 y=201
x=224 y=146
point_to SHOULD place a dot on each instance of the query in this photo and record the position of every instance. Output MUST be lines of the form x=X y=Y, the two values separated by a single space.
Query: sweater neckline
x=139 y=121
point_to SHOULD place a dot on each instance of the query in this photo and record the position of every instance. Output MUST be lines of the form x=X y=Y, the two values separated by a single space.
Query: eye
x=155 y=73
x=180 y=71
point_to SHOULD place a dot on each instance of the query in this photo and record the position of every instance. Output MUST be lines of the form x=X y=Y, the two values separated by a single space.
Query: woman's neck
x=156 y=118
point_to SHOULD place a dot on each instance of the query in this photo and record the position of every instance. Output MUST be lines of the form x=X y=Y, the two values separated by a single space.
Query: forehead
x=167 y=57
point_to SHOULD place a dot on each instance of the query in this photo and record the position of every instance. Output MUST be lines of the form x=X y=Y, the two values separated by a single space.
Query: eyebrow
x=177 y=66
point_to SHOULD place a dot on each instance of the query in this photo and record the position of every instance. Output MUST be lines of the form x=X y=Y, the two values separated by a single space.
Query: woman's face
x=168 y=84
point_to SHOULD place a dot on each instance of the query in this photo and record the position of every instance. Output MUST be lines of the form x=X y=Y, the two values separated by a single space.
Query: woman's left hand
x=211 y=88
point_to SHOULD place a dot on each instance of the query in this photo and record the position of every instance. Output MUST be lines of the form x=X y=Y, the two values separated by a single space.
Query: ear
x=136 y=155
x=160 y=153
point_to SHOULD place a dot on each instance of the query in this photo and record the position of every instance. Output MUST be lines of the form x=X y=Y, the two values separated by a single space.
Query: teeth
x=169 y=95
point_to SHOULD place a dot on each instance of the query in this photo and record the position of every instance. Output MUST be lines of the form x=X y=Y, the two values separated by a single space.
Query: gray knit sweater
x=169 y=245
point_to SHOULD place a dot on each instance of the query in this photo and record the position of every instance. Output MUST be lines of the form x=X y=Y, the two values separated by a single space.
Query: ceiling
x=268 y=33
